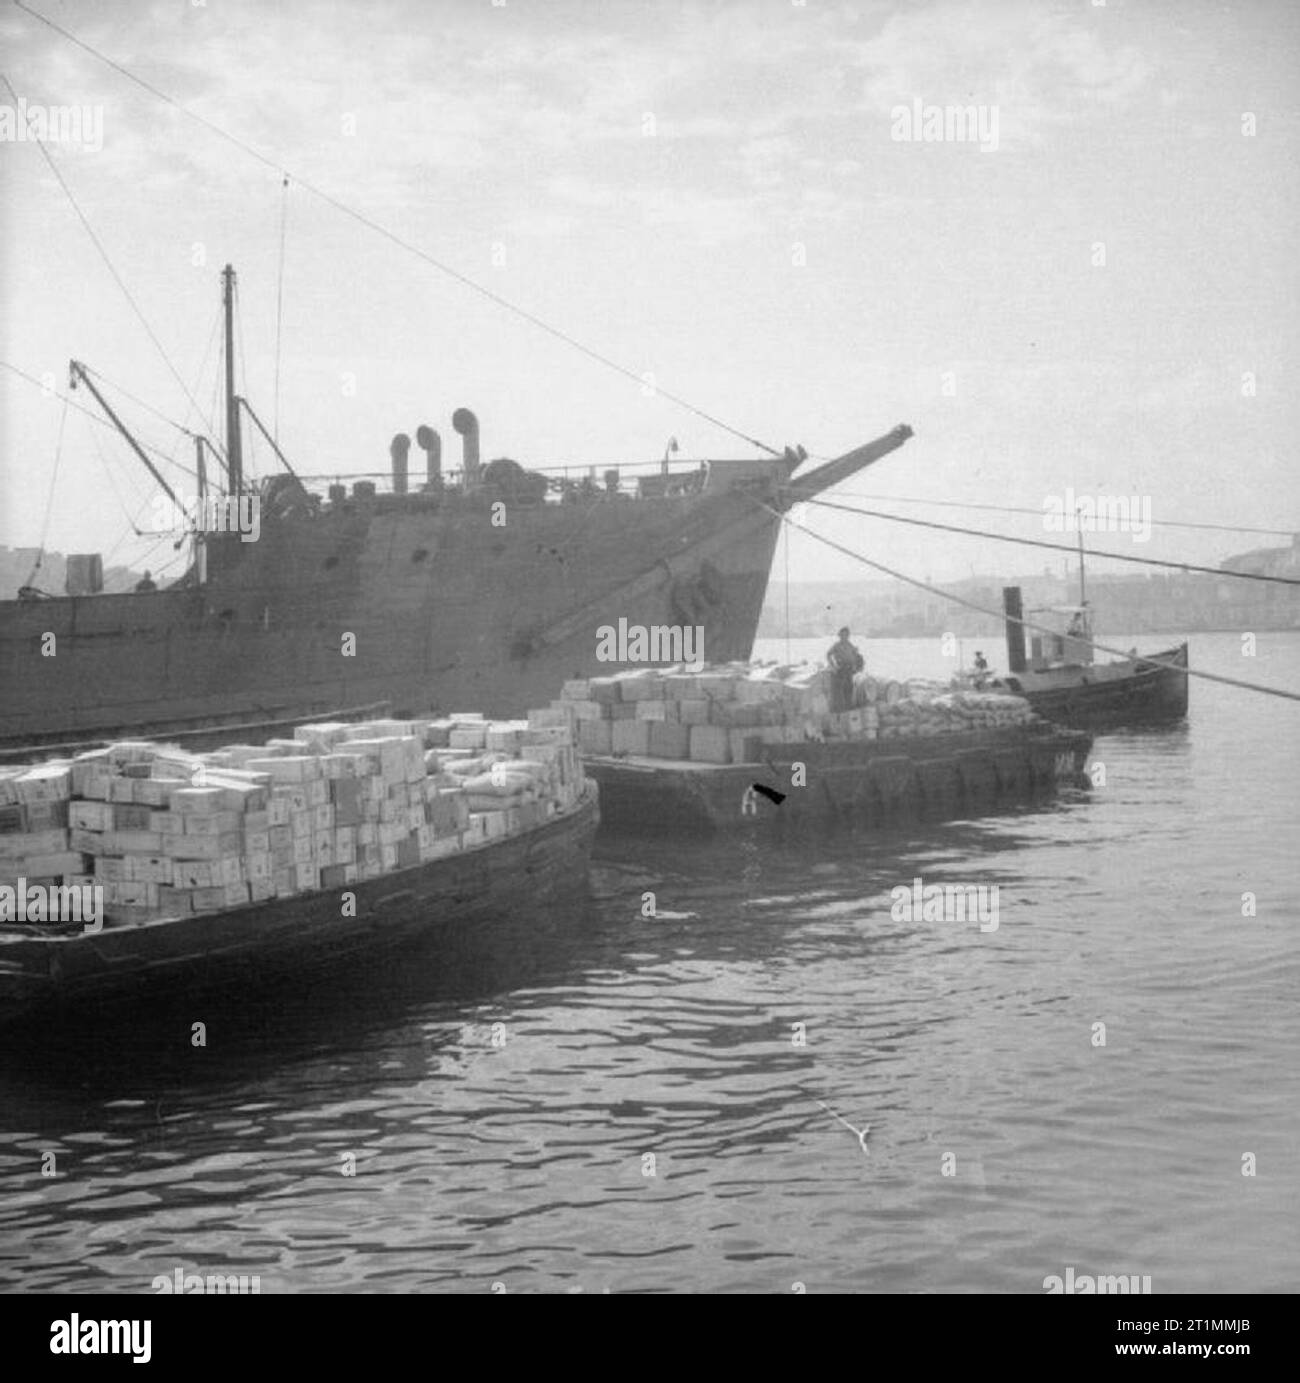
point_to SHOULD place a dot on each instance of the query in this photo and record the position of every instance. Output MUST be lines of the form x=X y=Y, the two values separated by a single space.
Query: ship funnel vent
x=399 y=448
x=431 y=444
x=467 y=425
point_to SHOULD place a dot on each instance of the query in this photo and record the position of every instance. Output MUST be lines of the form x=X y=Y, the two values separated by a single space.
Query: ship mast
x=200 y=547
x=234 y=455
x=1083 y=594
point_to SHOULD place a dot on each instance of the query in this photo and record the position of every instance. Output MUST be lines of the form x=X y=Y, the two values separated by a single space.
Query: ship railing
x=564 y=484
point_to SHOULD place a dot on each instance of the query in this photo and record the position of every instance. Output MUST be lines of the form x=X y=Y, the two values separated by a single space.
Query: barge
x=42 y=968
x=717 y=747
x=877 y=784
x=141 y=866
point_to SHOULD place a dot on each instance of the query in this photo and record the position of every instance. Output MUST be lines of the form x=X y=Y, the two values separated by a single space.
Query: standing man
x=844 y=660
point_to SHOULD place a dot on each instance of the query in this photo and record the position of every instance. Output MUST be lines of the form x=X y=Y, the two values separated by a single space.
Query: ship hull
x=1111 y=695
x=266 y=943
x=424 y=609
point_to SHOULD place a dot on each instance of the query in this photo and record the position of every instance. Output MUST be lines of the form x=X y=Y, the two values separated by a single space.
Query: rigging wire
x=108 y=471
x=210 y=436
x=1038 y=513
x=279 y=306
x=1056 y=547
x=362 y=219
x=136 y=531
x=144 y=557
x=148 y=407
x=182 y=431
x=49 y=500
x=214 y=413
x=181 y=428
x=208 y=420
x=103 y=253
x=1028 y=624
x=207 y=437
x=176 y=557
x=66 y=397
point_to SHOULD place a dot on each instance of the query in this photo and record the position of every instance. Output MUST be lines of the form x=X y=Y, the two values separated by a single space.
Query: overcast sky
x=713 y=193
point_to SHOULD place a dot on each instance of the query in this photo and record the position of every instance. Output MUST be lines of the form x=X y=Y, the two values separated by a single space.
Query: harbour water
x=605 y=1100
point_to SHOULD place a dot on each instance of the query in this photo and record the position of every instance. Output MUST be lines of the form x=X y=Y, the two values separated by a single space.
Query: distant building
x=1167 y=602
x=1268 y=561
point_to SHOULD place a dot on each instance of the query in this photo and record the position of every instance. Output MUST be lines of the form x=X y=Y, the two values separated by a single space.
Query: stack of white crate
x=734 y=712
x=168 y=833
x=722 y=714
x=34 y=836
x=164 y=831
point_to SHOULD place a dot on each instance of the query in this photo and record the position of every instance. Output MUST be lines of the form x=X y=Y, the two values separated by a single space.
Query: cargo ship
x=483 y=585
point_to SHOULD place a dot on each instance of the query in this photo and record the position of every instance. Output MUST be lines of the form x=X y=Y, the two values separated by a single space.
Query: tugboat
x=484 y=586
x=1063 y=683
